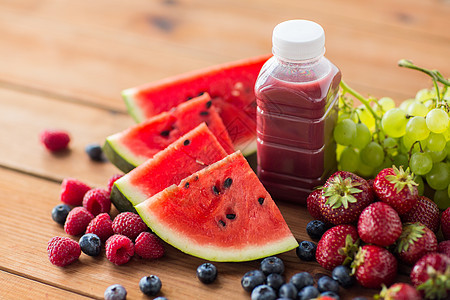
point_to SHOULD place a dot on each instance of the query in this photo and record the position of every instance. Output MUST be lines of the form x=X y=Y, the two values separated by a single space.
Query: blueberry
x=342 y=274
x=150 y=285
x=301 y=280
x=251 y=279
x=272 y=264
x=275 y=280
x=115 y=292
x=308 y=292
x=316 y=229
x=207 y=273
x=90 y=244
x=60 y=212
x=360 y=298
x=160 y=298
x=326 y=283
x=306 y=251
x=263 y=292
x=95 y=152
x=288 y=290
x=331 y=295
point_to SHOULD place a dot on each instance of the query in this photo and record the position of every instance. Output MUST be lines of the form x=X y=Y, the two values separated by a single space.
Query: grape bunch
x=416 y=135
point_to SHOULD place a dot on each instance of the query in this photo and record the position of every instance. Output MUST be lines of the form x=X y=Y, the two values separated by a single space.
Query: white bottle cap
x=298 y=40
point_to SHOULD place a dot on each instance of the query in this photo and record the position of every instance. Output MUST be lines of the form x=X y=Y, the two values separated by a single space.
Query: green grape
x=384 y=104
x=363 y=136
x=339 y=149
x=425 y=94
x=416 y=129
x=437 y=120
x=347 y=115
x=438 y=178
x=366 y=117
x=442 y=199
x=417 y=109
x=387 y=163
x=390 y=145
x=372 y=155
x=420 y=163
x=405 y=104
x=364 y=170
x=436 y=142
x=407 y=144
x=401 y=160
x=447 y=134
x=421 y=186
x=345 y=132
x=437 y=156
x=349 y=160
x=394 y=122
x=448 y=191
x=430 y=104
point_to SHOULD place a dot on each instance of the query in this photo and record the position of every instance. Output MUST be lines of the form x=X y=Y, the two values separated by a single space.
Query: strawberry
x=444 y=247
x=426 y=212
x=337 y=246
x=445 y=224
x=397 y=188
x=399 y=291
x=345 y=195
x=431 y=276
x=415 y=241
x=379 y=224
x=374 y=266
x=312 y=204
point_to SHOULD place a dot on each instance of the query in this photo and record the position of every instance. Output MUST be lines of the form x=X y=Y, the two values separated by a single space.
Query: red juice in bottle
x=296 y=92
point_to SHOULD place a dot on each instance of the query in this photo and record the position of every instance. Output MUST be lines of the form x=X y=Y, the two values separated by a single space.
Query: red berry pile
x=90 y=213
x=376 y=225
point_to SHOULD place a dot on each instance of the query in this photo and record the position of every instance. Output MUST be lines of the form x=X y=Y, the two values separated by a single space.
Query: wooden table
x=64 y=63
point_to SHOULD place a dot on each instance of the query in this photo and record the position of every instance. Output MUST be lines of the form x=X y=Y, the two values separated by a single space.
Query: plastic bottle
x=296 y=91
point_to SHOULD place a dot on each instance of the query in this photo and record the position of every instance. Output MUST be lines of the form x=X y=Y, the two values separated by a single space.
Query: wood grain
x=64 y=63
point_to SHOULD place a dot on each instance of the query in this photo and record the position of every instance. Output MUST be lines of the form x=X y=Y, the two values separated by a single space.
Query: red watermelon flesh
x=220 y=213
x=230 y=85
x=192 y=152
x=133 y=146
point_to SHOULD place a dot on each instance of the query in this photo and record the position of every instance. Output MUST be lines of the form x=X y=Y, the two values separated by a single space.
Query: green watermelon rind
x=119 y=155
x=134 y=111
x=212 y=253
x=121 y=189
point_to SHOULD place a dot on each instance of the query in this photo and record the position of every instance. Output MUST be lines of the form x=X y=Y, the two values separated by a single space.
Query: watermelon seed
x=186 y=142
x=231 y=216
x=227 y=183
x=208 y=104
x=221 y=222
x=195 y=177
x=261 y=200
x=165 y=133
x=204 y=113
x=186 y=185
x=199 y=94
x=216 y=190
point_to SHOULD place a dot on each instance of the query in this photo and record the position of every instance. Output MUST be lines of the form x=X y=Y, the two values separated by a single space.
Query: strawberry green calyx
x=411 y=232
x=401 y=179
x=385 y=292
x=437 y=285
x=349 y=250
x=359 y=260
x=340 y=192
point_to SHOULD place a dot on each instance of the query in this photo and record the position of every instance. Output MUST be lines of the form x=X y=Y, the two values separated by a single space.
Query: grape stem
x=364 y=101
x=434 y=74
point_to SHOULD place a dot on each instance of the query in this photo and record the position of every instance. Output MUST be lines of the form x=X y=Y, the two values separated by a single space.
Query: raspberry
x=63 y=251
x=54 y=140
x=128 y=224
x=111 y=182
x=101 y=225
x=77 y=220
x=119 y=249
x=149 y=246
x=72 y=191
x=97 y=201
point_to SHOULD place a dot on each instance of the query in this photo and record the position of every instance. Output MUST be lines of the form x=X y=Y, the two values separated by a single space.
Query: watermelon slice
x=133 y=146
x=190 y=153
x=230 y=86
x=220 y=213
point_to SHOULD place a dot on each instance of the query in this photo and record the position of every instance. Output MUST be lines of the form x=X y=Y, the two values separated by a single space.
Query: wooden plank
x=14 y=287
x=198 y=34
x=26 y=227
x=25 y=116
